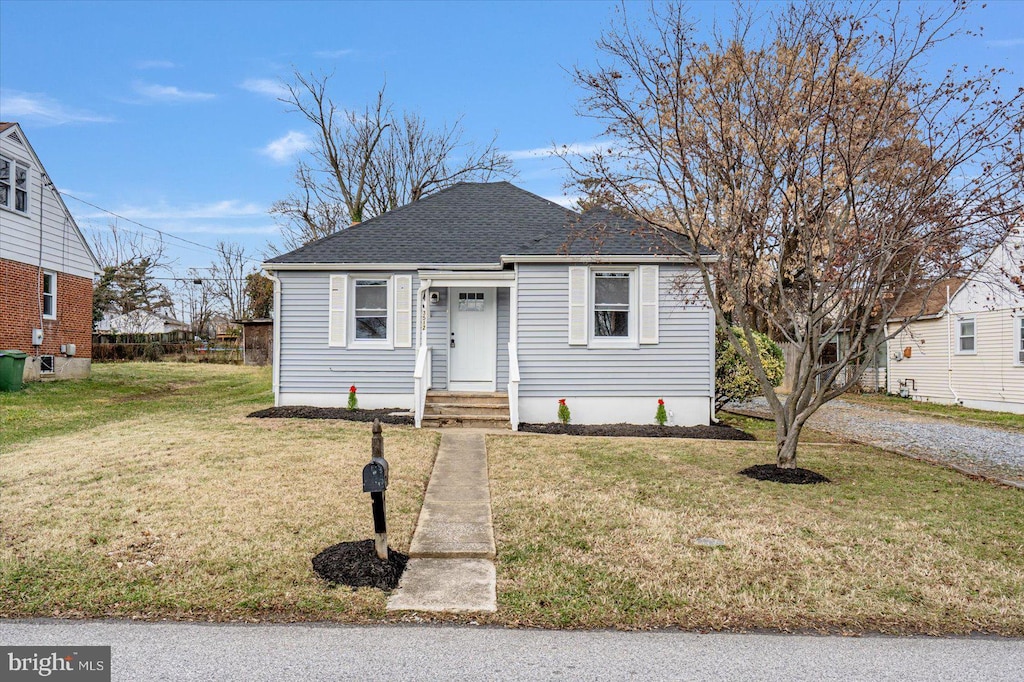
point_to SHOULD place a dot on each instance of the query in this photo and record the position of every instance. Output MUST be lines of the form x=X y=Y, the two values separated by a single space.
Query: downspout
x=275 y=370
x=949 y=349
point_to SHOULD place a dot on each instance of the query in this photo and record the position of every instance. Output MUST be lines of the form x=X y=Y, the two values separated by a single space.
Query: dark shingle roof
x=479 y=223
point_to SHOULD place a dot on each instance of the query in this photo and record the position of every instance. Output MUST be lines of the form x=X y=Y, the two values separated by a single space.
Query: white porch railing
x=513 y=385
x=421 y=382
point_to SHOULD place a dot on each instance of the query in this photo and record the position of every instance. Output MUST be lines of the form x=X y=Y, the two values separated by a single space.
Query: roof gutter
x=609 y=258
x=268 y=266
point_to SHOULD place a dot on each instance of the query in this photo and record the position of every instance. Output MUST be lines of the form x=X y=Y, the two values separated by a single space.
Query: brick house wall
x=20 y=286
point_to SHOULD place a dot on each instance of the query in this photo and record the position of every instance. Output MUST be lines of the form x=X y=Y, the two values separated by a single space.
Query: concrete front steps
x=475 y=410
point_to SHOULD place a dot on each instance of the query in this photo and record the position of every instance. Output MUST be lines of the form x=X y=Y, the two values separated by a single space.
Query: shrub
x=564 y=415
x=660 y=415
x=153 y=352
x=734 y=379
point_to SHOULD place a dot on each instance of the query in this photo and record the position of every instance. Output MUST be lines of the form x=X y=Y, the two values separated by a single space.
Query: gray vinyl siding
x=501 y=367
x=309 y=365
x=679 y=365
x=62 y=247
x=437 y=339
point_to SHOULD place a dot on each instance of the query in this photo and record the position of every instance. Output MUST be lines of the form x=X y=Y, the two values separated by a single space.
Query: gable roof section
x=931 y=296
x=477 y=224
x=4 y=126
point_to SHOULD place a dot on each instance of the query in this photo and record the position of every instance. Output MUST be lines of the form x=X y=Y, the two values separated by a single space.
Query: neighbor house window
x=614 y=313
x=20 y=188
x=1020 y=340
x=50 y=295
x=5 y=182
x=966 y=341
x=371 y=309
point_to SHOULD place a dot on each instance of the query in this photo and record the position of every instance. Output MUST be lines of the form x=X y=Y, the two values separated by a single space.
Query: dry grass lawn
x=186 y=509
x=597 y=532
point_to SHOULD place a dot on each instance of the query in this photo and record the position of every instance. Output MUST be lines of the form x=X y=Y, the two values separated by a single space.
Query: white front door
x=474 y=337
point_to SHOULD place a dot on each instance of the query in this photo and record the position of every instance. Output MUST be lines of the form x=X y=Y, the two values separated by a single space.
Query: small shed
x=257 y=340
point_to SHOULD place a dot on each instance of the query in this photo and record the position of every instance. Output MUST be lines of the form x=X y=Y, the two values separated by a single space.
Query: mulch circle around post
x=356 y=564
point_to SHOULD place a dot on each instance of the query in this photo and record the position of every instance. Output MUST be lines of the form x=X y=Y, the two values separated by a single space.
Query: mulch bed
x=770 y=472
x=720 y=432
x=356 y=564
x=385 y=415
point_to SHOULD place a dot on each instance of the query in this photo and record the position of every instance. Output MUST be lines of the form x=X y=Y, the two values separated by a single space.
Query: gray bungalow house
x=486 y=303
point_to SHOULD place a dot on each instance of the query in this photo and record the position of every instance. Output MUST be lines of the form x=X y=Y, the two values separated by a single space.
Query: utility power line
x=147 y=227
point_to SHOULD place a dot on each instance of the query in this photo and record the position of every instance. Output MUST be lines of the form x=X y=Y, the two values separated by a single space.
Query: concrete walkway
x=451 y=565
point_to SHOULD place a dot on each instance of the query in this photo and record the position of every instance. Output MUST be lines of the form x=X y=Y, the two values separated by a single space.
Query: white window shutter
x=648 y=304
x=578 y=281
x=338 y=334
x=403 y=311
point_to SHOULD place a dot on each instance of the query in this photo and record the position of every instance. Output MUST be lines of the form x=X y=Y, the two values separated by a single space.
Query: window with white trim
x=13 y=185
x=966 y=338
x=613 y=306
x=49 y=295
x=370 y=311
x=1020 y=340
x=613 y=312
x=5 y=182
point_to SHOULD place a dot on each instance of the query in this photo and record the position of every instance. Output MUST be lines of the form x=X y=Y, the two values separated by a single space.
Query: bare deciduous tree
x=228 y=274
x=129 y=280
x=810 y=150
x=364 y=163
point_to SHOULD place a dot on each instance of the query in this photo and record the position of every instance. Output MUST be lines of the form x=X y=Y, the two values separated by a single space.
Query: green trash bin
x=12 y=368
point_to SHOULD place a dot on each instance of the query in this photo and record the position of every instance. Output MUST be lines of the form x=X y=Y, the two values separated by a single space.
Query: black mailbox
x=375 y=476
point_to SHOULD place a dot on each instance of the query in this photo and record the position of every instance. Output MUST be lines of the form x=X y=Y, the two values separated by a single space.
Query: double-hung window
x=371 y=309
x=13 y=185
x=966 y=338
x=50 y=295
x=613 y=310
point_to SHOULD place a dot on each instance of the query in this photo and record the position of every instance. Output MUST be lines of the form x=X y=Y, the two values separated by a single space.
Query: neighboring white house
x=968 y=348
x=46 y=267
x=487 y=294
x=140 y=322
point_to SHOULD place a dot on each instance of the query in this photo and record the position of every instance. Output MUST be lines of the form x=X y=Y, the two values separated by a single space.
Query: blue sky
x=165 y=113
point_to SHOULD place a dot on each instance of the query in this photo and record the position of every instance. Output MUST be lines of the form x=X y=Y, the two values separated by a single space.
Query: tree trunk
x=786 y=441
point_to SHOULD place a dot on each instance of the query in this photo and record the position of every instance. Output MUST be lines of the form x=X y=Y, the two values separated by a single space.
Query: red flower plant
x=353 y=402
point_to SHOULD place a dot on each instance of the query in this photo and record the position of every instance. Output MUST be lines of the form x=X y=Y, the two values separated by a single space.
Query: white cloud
x=43 y=110
x=1008 y=42
x=155 y=64
x=170 y=93
x=575 y=149
x=228 y=208
x=285 y=148
x=333 y=54
x=265 y=86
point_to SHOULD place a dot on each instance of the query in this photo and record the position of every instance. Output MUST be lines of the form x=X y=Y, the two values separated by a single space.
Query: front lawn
x=599 y=532
x=146 y=492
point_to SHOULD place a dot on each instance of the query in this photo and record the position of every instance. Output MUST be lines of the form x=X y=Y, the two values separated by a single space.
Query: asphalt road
x=179 y=651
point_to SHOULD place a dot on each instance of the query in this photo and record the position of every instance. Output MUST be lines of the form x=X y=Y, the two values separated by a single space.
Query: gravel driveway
x=982 y=449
